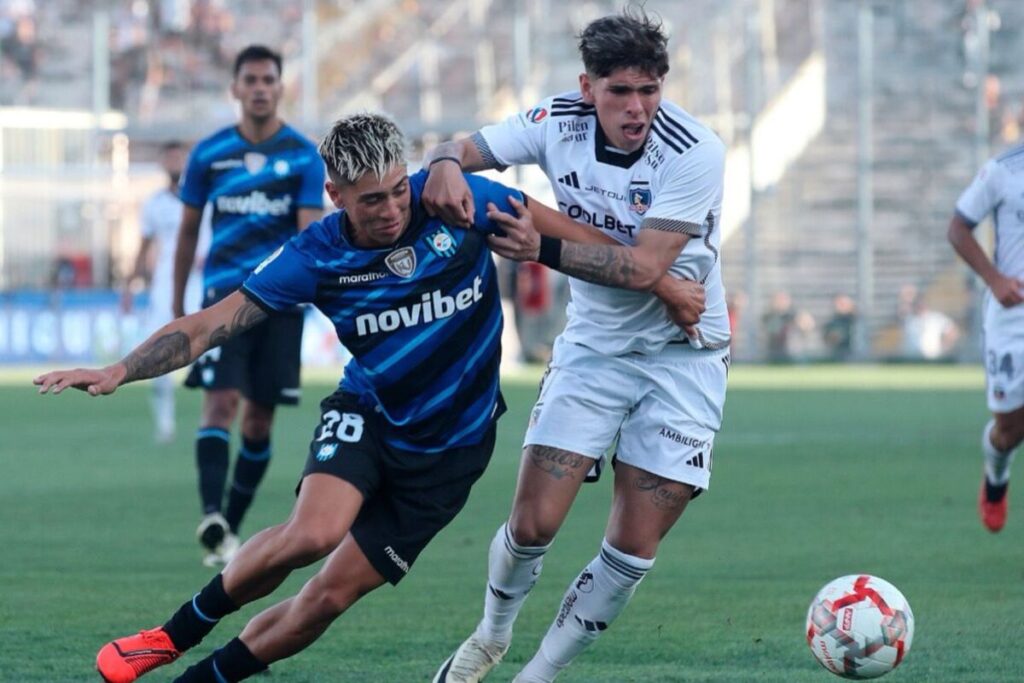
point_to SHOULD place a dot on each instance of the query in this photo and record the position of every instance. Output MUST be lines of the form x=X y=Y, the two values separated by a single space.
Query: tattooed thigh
x=664 y=493
x=558 y=463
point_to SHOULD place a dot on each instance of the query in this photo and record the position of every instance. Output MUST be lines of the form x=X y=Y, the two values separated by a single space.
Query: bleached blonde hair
x=362 y=143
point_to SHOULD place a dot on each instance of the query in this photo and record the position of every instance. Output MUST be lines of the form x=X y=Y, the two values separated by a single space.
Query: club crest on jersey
x=442 y=243
x=536 y=115
x=639 y=198
x=254 y=162
x=327 y=451
x=401 y=262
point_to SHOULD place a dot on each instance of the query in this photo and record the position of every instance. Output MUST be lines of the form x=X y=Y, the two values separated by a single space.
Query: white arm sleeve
x=982 y=195
x=521 y=138
x=691 y=189
x=150 y=221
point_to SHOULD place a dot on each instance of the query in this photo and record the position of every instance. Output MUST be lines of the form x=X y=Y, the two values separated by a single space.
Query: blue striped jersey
x=255 y=192
x=422 y=318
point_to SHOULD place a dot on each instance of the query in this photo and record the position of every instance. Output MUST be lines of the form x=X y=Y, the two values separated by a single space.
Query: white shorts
x=1004 y=355
x=665 y=408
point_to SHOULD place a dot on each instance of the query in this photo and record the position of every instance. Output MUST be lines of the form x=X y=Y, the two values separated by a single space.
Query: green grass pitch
x=818 y=472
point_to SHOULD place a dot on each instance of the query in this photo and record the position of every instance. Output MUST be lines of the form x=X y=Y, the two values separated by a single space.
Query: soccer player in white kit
x=646 y=174
x=161 y=216
x=998 y=189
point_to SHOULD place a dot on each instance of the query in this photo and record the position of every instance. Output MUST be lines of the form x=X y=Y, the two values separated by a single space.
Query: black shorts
x=409 y=496
x=263 y=362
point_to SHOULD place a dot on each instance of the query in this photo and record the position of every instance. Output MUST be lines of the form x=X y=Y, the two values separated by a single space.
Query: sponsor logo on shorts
x=397 y=559
x=697 y=460
x=327 y=452
x=682 y=439
x=535 y=416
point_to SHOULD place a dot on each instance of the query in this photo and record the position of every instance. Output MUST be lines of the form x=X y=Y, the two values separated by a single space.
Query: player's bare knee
x=306 y=544
x=220 y=411
x=333 y=599
x=637 y=547
x=1008 y=432
x=257 y=421
x=530 y=530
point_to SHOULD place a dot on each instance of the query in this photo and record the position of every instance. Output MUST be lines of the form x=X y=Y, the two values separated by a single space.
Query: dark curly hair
x=622 y=41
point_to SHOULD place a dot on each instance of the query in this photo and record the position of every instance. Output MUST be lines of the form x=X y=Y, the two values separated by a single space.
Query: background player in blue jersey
x=264 y=182
x=400 y=443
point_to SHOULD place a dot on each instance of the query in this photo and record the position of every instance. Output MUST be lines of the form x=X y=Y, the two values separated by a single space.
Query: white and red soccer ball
x=859 y=626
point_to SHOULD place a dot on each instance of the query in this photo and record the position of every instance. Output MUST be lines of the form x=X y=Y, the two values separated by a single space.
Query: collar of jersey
x=604 y=156
x=280 y=131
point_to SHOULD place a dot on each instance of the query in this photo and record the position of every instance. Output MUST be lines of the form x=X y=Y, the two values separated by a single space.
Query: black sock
x=198 y=616
x=233 y=662
x=994 y=493
x=212 y=462
x=236 y=662
x=253 y=459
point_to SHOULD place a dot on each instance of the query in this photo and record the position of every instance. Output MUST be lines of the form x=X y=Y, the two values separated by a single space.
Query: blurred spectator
x=837 y=334
x=804 y=340
x=927 y=334
x=778 y=325
x=736 y=304
x=20 y=47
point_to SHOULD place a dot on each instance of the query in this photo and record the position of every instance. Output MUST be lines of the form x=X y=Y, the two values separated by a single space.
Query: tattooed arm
x=173 y=346
x=591 y=255
x=588 y=254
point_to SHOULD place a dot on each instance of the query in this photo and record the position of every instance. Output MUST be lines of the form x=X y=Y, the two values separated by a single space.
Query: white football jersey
x=999 y=189
x=676 y=176
x=161 y=219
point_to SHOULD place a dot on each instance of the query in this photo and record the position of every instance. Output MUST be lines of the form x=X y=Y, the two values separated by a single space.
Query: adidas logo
x=697 y=460
x=572 y=180
x=592 y=626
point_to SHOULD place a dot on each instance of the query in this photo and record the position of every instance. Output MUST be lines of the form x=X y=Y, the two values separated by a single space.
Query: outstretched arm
x=173 y=346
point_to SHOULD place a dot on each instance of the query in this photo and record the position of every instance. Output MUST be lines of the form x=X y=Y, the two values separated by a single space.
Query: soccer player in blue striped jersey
x=398 y=445
x=264 y=183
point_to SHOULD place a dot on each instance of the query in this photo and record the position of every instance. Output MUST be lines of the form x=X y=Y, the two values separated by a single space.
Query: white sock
x=997 y=463
x=162 y=402
x=593 y=600
x=512 y=570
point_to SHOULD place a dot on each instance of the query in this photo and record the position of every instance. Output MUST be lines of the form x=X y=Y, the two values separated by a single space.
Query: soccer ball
x=859 y=626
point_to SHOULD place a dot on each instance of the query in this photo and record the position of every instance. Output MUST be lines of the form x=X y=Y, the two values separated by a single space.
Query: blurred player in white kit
x=998 y=189
x=154 y=268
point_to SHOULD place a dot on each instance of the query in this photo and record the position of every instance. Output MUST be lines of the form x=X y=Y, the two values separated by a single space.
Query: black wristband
x=550 y=252
x=457 y=161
